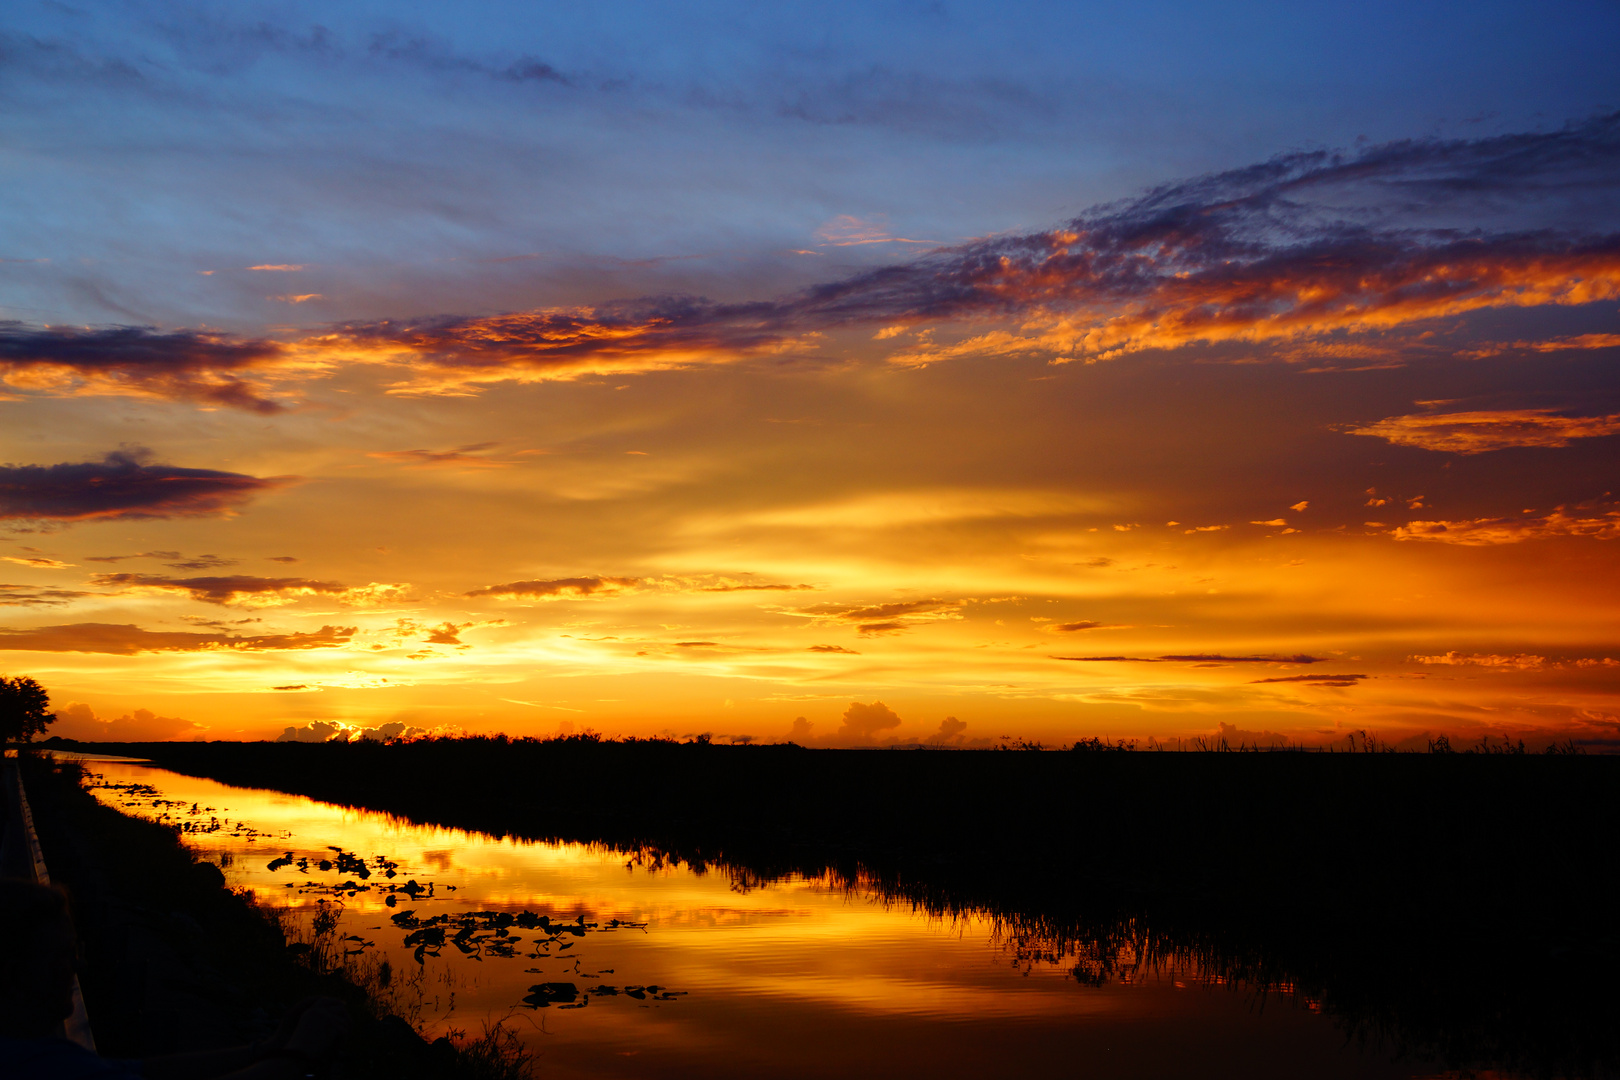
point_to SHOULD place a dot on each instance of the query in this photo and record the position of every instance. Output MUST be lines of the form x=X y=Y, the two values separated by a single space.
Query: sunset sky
x=849 y=373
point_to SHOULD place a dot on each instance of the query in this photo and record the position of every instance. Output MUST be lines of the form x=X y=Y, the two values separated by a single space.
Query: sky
x=855 y=374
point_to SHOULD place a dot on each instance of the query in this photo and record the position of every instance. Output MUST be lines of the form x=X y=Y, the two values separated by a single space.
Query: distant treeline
x=1459 y=905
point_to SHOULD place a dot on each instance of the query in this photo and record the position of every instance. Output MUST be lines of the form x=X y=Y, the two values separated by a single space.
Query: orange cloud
x=885 y=618
x=1266 y=253
x=846 y=230
x=1515 y=661
x=558 y=588
x=1557 y=344
x=1488 y=531
x=203 y=366
x=465 y=457
x=129 y=640
x=249 y=591
x=1484 y=431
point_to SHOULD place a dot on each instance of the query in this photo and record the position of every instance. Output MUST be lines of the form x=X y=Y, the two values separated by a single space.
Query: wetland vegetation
x=1453 y=906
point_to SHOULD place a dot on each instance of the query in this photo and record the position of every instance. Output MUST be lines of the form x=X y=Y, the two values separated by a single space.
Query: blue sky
x=386 y=146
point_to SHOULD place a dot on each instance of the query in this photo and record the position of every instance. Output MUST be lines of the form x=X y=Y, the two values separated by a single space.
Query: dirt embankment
x=175 y=961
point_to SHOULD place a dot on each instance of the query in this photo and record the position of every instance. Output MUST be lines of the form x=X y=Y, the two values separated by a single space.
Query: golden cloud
x=1481 y=532
x=1484 y=431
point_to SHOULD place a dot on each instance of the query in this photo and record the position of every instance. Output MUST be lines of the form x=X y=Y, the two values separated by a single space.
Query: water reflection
x=625 y=965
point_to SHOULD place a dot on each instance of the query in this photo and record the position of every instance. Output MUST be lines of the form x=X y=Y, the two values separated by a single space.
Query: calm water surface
x=701 y=976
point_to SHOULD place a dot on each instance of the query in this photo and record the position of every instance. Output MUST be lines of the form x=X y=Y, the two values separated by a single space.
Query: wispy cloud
x=1300 y=249
x=1513 y=661
x=1484 y=431
x=174 y=560
x=248 y=591
x=38 y=562
x=884 y=618
x=1322 y=679
x=1302 y=246
x=1203 y=659
x=557 y=588
x=575 y=588
x=1482 y=532
x=129 y=640
x=470 y=456
x=37 y=596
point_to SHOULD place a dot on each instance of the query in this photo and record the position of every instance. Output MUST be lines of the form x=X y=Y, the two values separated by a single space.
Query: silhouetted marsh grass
x=1456 y=905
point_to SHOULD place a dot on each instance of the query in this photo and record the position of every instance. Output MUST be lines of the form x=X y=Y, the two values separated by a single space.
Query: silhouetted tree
x=25 y=709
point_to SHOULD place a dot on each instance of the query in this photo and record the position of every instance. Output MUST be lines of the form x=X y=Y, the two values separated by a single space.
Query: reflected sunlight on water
x=655 y=970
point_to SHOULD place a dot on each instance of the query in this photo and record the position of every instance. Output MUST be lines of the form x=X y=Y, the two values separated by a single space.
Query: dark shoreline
x=1456 y=907
x=174 y=961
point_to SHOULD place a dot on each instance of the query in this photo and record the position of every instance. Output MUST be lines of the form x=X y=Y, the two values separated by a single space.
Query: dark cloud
x=600 y=585
x=128 y=640
x=251 y=591
x=223 y=590
x=1211 y=658
x=901 y=609
x=833 y=649
x=886 y=618
x=1316 y=680
x=1303 y=245
x=36 y=596
x=433 y=54
x=1076 y=627
x=448 y=633
x=1200 y=658
x=558 y=588
x=123 y=485
x=179 y=561
x=186 y=365
x=769 y=587
x=78 y=721
x=862 y=723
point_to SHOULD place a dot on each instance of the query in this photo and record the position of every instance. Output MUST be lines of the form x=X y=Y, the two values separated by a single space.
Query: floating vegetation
x=478 y=934
x=174 y=813
x=567 y=995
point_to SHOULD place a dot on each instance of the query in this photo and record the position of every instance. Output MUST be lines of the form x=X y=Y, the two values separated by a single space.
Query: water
x=710 y=977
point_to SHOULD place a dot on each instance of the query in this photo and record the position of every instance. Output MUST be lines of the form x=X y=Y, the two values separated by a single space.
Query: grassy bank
x=1458 y=906
x=175 y=961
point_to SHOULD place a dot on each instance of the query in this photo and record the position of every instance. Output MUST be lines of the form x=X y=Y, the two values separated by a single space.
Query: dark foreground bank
x=1458 y=907
x=174 y=962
